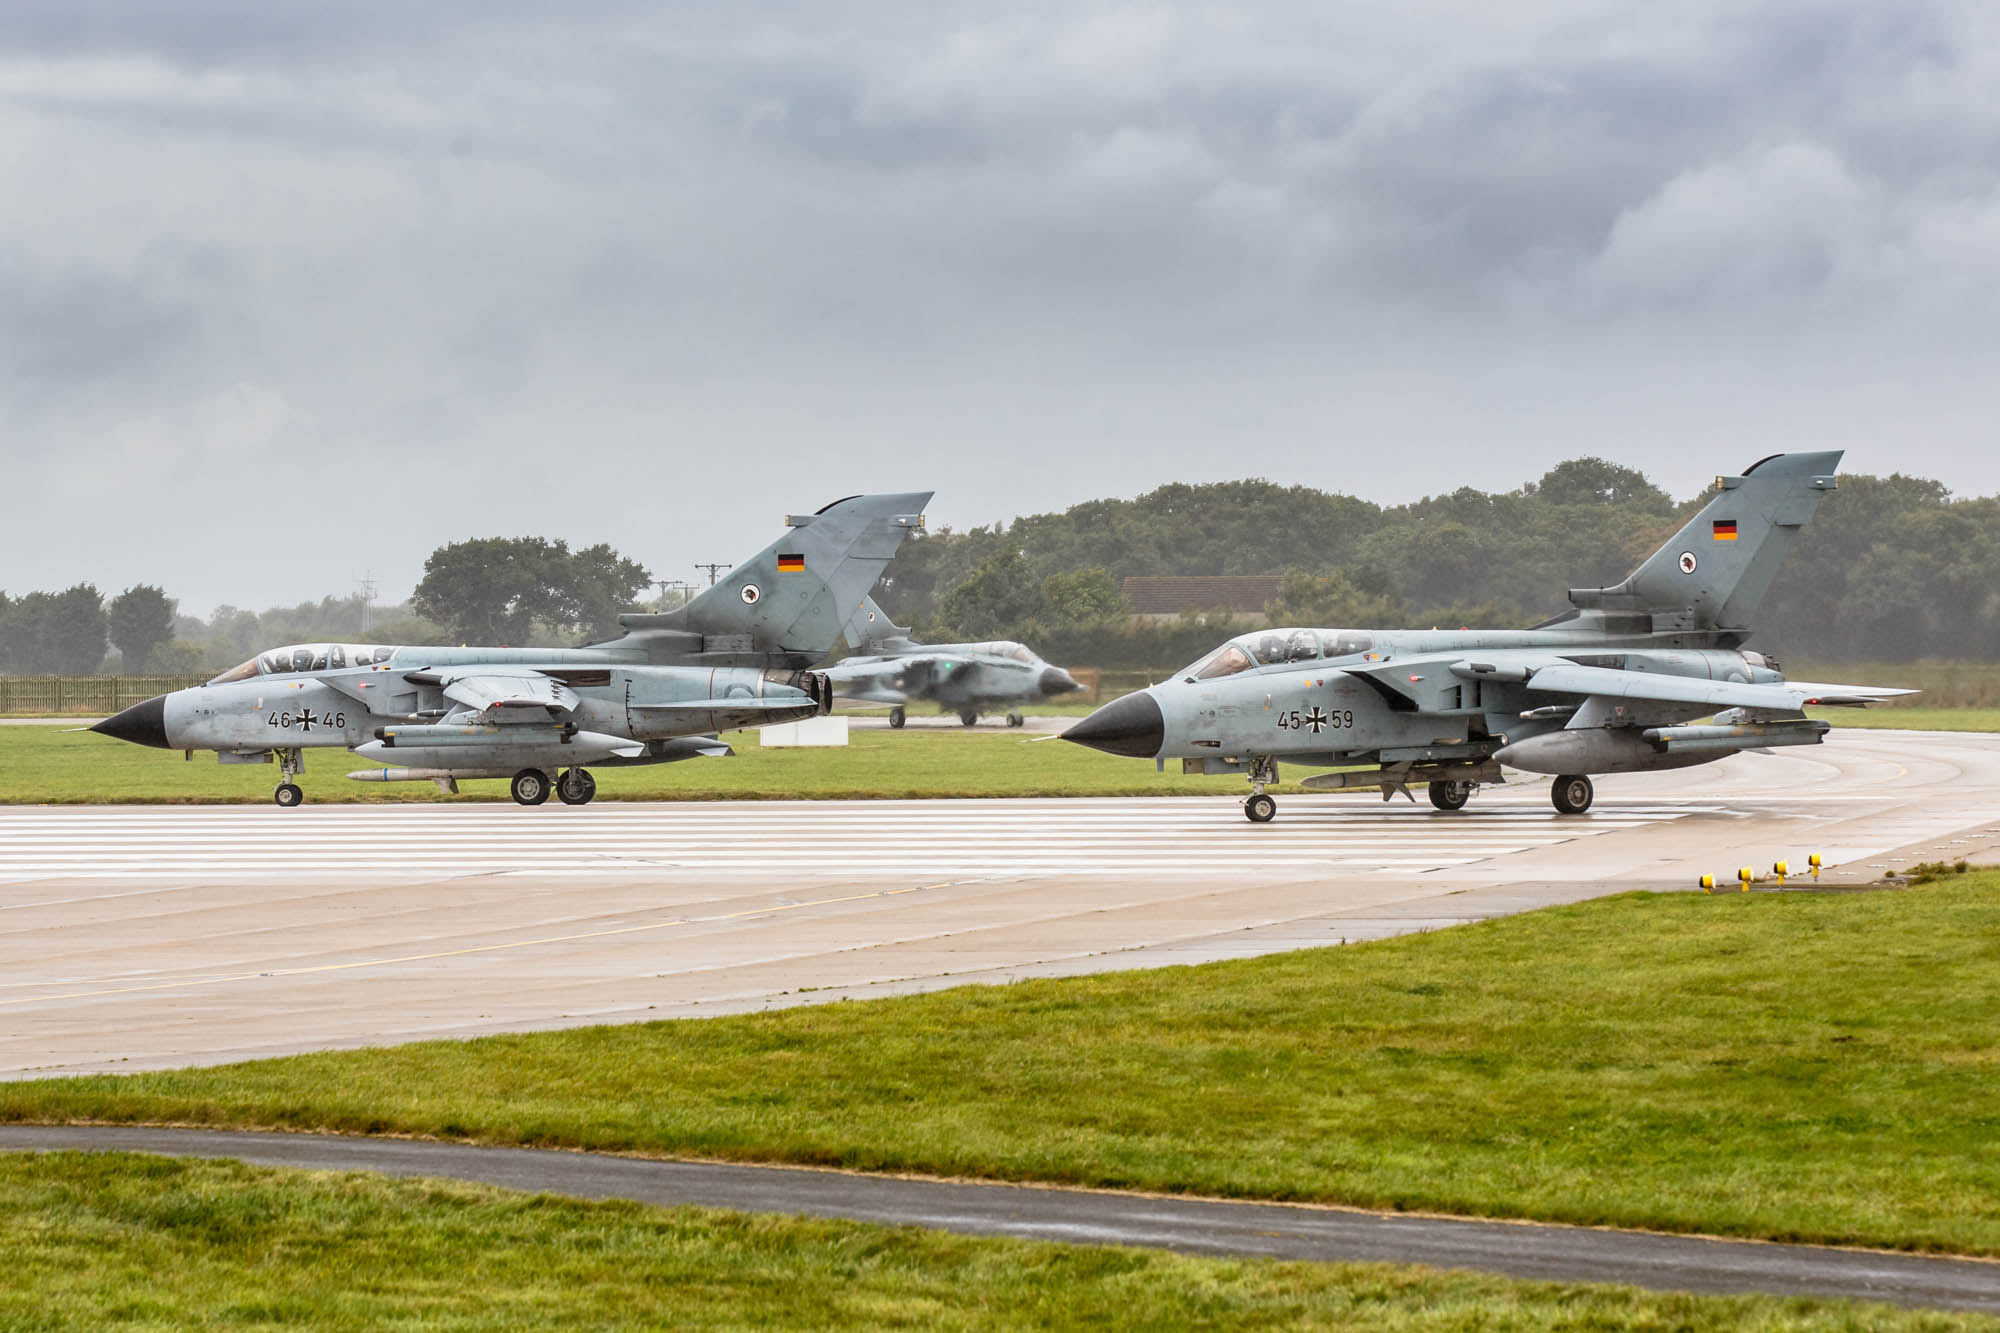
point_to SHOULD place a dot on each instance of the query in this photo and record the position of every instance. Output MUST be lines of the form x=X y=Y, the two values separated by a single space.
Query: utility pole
x=686 y=590
x=713 y=570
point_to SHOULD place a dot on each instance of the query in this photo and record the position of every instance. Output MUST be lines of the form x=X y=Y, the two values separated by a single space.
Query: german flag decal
x=1725 y=531
x=796 y=564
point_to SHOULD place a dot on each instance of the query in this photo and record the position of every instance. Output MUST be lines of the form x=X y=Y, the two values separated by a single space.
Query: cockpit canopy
x=1005 y=649
x=306 y=657
x=1272 y=646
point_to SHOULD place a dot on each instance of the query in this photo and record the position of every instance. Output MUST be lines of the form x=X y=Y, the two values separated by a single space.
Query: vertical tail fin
x=1716 y=570
x=870 y=630
x=794 y=597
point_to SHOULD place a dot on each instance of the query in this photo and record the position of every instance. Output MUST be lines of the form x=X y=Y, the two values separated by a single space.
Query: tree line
x=1891 y=569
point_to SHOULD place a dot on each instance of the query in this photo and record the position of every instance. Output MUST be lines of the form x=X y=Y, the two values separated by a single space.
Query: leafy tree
x=1333 y=599
x=497 y=589
x=181 y=657
x=55 y=633
x=1596 y=482
x=1002 y=594
x=597 y=584
x=140 y=620
x=1087 y=597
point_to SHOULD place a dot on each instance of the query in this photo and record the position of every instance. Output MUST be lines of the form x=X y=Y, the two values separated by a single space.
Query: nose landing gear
x=1259 y=808
x=291 y=763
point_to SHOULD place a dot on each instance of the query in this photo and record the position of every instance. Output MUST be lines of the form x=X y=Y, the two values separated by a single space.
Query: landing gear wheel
x=897 y=717
x=530 y=787
x=576 y=787
x=288 y=794
x=1015 y=719
x=967 y=717
x=1260 y=809
x=1450 y=795
x=1572 y=794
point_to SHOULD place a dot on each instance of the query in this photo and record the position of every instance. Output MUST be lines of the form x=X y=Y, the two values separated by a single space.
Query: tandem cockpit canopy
x=1273 y=646
x=306 y=657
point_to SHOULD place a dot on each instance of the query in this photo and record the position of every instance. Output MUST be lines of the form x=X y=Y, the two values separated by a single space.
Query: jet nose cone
x=1057 y=681
x=141 y=724
x=1131 y=726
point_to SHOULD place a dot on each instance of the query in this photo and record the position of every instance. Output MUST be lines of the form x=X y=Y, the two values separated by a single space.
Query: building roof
x=1172 y=594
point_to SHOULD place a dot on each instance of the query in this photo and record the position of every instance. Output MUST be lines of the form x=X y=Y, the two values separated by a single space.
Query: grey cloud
x=1028 y=255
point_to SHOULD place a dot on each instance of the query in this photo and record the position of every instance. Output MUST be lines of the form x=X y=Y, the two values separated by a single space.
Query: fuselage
x=1336 y=697
x=953 y=675
x=391 y=703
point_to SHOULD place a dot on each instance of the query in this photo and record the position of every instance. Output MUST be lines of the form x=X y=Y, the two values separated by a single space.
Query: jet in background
x=1617 y=684
x=735 y=656
x=964 y=678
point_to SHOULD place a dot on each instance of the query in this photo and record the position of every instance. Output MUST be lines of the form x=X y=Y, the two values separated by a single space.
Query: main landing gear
x=897 y=717
x=1572 y=794
x=1450 y=795
x=291 y=763
x=1258 y=807
x=967 y=717
x=531 y=786
x=1015 y=719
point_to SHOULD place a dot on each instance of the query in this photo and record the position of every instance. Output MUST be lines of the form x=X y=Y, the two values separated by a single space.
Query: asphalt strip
x=1098 y=1217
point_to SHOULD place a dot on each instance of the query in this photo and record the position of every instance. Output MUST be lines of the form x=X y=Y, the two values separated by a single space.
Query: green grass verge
x=1912 y=718
x=141 y=1242
x=1798 y=1066
x=54 y=766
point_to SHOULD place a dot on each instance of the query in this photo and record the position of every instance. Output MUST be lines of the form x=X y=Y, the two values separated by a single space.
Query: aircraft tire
x=530 y=787
x=1450 y=795
x=1572 y=794
x=1260 y=809
x=586 y=788
x=288 y=794
x=1015 y=719
x=967 y=718
x=897 y=717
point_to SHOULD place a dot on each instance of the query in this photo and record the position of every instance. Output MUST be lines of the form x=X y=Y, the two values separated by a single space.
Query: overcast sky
x=293 y=292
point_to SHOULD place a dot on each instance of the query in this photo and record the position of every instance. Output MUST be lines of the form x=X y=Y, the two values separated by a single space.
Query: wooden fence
x=83 y=696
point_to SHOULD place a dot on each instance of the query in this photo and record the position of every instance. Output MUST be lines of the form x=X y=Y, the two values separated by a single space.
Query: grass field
x=1912 y=718
x=1798 y=1066
x=56 y=765
x=140 y=1242
x=52 y=765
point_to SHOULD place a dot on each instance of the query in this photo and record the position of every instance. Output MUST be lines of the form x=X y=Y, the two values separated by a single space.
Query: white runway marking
x=821 y=840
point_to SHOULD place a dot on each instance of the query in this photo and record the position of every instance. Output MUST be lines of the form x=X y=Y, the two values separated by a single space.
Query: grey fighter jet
x=964 y=678
x=735 y=656
x=1620 y=683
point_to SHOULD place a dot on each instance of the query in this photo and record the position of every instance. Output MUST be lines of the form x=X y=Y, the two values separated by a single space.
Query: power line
x=713 y=570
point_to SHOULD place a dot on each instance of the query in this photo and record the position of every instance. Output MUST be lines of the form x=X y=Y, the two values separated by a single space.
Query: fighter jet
x=736 y=656
x=966 y=678
x=1617 y=684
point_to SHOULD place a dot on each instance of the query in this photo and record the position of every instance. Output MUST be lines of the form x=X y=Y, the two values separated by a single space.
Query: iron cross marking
x=1316 y=719
x=306 y=720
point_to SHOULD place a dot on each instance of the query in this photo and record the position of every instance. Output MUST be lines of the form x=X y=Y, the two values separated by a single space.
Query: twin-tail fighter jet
x=1617 y=684
x=889 y=667
x=736 y=656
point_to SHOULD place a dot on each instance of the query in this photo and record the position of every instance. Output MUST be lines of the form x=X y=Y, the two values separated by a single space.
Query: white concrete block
x=814 y=731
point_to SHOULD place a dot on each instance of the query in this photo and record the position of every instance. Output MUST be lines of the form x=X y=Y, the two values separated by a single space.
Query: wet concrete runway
x=149 y=937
